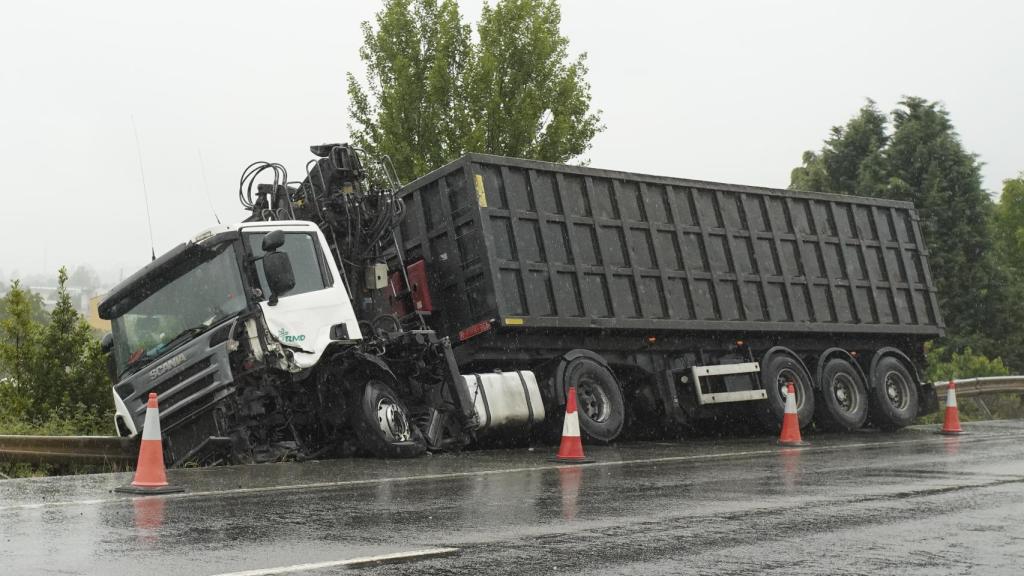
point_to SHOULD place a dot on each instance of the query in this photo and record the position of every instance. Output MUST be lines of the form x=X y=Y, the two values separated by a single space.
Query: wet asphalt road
x=910 y=502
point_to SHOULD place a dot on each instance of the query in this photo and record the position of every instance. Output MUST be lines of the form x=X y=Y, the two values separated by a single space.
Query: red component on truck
x=417 y=272
x=420 y=291
x=395 y=285
x=474 y=330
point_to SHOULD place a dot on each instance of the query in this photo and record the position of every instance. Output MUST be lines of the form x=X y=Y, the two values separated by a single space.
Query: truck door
x=317 y=309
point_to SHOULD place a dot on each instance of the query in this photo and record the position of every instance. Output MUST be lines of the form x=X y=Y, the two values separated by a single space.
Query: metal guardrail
x=83 y=449
x=986 y=385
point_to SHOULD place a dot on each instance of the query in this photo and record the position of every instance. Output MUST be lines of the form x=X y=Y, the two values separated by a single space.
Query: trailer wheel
x=779 y=370
x=894 y=397
x=842 y=398
x=600 y=406
x=382 y=422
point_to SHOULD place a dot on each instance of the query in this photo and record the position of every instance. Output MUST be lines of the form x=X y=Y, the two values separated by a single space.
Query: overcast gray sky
x=727 y=91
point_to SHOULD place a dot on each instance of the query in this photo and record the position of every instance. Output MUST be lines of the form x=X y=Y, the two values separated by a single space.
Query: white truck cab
x=317 y=310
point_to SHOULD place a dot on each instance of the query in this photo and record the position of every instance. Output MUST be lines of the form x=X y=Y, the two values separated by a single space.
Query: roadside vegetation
x=975 y=243
x=53 y=378
x=945 y=365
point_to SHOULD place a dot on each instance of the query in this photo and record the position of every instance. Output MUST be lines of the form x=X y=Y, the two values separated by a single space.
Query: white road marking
x=350 y=563
x=449 y=475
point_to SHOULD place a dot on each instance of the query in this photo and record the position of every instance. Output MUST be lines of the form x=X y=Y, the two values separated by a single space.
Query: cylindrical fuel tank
x=506 y=399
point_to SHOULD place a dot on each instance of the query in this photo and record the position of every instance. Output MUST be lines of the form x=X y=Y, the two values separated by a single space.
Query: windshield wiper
x=185 y=334
x=132 y=366
x=182 y=336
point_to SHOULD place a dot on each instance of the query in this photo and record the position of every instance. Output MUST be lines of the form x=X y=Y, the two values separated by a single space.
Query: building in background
x=93 y=315
x=85 y=301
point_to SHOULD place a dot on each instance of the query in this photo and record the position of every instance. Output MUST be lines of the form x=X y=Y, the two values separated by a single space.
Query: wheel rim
x=785 y=377
x=592 y=400
x=845 y=392
x=897 y=390
x=392 y=421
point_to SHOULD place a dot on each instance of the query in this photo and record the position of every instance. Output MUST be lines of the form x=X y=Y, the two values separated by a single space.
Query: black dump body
x=535 y=245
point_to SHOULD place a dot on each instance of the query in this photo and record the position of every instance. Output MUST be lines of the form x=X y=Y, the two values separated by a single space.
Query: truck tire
x=775 y=373
x=842 y=403
x=600 y=406
x=382 y=424
x=894 y=399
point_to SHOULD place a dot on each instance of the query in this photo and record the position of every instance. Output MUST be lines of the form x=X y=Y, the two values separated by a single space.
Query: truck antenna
x=145 y=193
x=206 y=185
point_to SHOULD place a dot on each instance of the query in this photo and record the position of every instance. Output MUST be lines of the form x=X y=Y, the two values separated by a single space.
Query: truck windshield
x=204 y=294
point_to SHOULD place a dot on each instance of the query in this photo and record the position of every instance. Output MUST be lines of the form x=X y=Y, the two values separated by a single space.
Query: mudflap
x=929 y=399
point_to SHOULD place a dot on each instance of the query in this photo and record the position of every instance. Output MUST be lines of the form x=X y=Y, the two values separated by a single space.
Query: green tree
x=851 y=161
x=923 y=161
x=37 y=312
x=413 y=105
x=73 y=372
x=431 y=94
x=527 y=98
x=1009 y=224
x=55 y=375
x=19 y=337
x=928 y=165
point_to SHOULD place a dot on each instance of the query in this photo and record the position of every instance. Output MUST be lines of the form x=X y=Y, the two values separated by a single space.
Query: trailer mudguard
x=839 y=353
x=890 y=351
x=929 y=400
x=783 y=350
x=565 y=359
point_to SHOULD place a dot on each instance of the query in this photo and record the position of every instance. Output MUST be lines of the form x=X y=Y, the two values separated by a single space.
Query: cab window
x=307 y=261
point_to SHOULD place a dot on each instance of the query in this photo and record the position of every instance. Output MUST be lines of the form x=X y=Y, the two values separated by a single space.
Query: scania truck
x=349 y=313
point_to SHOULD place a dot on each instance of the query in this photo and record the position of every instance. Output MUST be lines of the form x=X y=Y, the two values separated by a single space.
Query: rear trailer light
x=474 y=330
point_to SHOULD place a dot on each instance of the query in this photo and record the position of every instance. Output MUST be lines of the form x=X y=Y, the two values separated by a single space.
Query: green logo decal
x=284 y=336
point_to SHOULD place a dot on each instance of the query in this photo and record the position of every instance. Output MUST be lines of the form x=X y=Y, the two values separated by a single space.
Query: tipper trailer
x=348 y=312
x=692 y=294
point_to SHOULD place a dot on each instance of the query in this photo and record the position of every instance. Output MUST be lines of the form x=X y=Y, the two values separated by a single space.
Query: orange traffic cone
x=790 y=435
x=951 y=423
x=150 y=475
x=570 y=451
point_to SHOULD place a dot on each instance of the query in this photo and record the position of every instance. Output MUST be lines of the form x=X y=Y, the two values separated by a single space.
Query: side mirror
x=273 y=241
x=278 y=269
x=107 y=343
